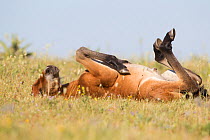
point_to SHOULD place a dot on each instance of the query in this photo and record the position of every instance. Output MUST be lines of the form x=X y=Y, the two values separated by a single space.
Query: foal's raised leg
x=163 y=89
x=87 y=58
x=99 y=77
x=160 y=58
x=105 y=59
x=166 y=49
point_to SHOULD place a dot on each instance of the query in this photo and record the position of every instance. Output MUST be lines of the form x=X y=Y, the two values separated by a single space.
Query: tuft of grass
x=25 y=117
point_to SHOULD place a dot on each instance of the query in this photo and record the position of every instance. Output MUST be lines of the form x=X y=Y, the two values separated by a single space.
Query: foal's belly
x=128 y=85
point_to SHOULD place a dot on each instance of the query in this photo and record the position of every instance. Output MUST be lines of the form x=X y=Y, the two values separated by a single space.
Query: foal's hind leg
x=166 y=49
x=160 y=58
x=105 y=59
x=105 y=74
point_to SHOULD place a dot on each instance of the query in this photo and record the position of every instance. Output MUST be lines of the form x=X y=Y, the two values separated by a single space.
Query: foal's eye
x=47 y=71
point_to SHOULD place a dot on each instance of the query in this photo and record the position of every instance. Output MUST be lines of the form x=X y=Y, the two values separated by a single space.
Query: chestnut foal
x=107 y=75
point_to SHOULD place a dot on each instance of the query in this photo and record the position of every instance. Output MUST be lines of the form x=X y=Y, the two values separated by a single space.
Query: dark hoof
x=124 y=71
x=172 y=34
x=117 y=64
x=169 y=37
x=158 y=55
x=157 y=44
x=166 y=44
x=124 y=61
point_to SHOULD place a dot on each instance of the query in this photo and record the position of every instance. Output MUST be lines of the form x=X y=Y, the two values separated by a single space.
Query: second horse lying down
x=107 y=75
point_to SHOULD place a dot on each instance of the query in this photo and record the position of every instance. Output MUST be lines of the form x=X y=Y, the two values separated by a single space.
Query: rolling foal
x=108 y=76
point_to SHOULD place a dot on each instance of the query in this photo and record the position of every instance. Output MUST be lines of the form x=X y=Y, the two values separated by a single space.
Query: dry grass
x=25 y=117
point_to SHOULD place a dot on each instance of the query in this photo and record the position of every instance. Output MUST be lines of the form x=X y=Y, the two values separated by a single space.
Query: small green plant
x=15 y=49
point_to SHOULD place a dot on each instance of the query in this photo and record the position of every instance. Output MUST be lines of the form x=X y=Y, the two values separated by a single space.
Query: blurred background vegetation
x=13 y=47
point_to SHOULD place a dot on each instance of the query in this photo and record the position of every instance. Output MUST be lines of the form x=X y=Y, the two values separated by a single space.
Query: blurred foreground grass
x=25 y=117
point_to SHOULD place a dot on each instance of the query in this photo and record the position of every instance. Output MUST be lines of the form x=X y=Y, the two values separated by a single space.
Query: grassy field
x=26 y=117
